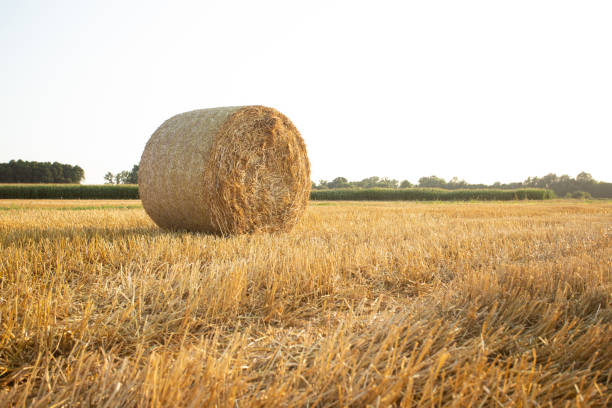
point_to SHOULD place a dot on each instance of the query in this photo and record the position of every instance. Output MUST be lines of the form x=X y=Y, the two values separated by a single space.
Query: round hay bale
x=225 y=170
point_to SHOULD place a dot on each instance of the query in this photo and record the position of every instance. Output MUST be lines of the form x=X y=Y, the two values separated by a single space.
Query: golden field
x=362 y=304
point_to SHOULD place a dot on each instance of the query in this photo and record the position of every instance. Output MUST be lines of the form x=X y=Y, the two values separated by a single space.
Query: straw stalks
x=374 y=304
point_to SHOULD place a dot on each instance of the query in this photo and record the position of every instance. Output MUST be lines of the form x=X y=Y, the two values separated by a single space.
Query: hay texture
x=225 y=170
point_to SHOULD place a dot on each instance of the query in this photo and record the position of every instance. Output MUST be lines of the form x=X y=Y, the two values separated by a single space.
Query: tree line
x=123 y=177
x=583 y=185
x=20 y=171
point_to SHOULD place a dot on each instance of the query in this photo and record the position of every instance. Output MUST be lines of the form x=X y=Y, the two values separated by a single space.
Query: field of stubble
x=408 y=304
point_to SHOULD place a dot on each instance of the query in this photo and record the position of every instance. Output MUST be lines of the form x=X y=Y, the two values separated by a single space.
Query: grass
x=68 y=205
x=413 y=304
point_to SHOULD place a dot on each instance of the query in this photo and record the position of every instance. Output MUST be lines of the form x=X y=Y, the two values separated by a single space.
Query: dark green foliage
x=123 y=177
x=583 y=195
x=69 y=191
x=561 y=185
x=432 y=181
x=338 y=182
x=370 y=182
x=430 y=194
x=373 y=182
x=130 y=191
x=19 y=171
x=600 y=190
x=132 y=177
x=388 y=183
x=565 y=185
x=109 y=178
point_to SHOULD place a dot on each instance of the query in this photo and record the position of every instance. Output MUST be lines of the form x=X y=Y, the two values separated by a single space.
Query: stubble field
x=380 y=304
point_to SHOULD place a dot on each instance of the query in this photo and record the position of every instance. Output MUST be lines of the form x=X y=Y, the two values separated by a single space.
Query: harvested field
x=402 y=303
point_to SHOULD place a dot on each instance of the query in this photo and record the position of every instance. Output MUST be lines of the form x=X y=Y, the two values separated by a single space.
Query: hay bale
x=225 y=170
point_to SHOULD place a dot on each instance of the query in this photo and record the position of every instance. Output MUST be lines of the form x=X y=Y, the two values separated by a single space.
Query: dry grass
x=17 y=204
x=380 y=304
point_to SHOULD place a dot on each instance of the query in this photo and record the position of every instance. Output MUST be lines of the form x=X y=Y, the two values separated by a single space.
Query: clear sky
x=483 y=90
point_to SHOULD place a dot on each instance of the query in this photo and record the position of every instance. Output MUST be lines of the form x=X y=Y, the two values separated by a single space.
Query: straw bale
x=225 y=170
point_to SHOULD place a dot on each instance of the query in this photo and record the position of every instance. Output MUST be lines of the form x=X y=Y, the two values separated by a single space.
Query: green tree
x=455 y=183
x=122 y=177
x=79 y=174
x=369 y=182
x=549 y=180
x=405 y=184
x=132 y=178
x=339 y=182
x=19 y=171
x=585 y=179
x=386 y=182
x=109 y=178
x=58 y=172
x=432 y=181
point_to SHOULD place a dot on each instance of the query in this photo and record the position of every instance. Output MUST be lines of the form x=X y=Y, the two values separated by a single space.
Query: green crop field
x=130 y=191
x=430 y=194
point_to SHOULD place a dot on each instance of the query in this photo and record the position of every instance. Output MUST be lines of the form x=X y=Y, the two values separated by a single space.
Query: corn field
x=130 y=191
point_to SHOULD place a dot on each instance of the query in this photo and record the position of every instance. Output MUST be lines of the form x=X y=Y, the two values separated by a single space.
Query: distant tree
x=132 y=178
x=5 y=173
x=79 y=173
x=23 y=172
x=19 y=171
x=548 y=181
x=432 y=181
x=58 y=171
x=339 y=182
x=369 y=182
x=122 y=177
x=75 y=173
x=109 y=178
x=562 y=185
x=455 y=183
x=41 y=173
x=585 y=179
x=387 y=183
x=565 y=186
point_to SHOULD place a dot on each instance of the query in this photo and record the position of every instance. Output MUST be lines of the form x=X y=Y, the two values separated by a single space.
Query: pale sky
x=483 y=90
